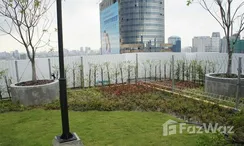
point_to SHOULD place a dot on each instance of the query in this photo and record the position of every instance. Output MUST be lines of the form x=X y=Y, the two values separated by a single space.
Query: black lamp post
x=66 y=135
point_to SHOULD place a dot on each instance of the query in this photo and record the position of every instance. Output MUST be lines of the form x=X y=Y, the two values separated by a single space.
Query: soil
x=227 y=76
x=125 y=89
x=32 y=83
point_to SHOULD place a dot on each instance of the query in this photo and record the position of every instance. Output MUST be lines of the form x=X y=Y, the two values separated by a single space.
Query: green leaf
x=37 y=3
x=189 y=2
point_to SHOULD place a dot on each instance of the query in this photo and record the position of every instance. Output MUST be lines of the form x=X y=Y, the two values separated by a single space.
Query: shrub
x=8 y=106
x=237 y=121
x=216 y=139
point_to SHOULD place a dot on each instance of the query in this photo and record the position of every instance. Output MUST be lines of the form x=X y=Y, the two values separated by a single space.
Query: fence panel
x=118 y=68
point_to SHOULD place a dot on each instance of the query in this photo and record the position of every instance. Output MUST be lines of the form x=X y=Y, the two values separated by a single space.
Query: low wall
x=35 y=95
x=223 y=86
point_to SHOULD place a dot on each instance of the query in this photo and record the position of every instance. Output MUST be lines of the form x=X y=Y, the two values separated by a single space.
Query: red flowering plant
x=126 y=89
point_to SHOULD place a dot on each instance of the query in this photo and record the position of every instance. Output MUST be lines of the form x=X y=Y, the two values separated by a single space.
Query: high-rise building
x=131 y=24
x=207 y=43
x=176 y=42
x=16 y=54
x=87 y=50
x=223 y=48
x=23 y=56
x=66 y=52
x=216 y=42
x=224 y=43
x=239 y=46
x=201 y=44
x=81 y=50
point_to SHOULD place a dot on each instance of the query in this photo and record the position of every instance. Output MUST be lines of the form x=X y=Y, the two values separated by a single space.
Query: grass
x=38 y=127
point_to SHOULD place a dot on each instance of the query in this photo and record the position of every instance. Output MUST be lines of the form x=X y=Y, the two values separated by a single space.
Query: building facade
x=132 y=25
x=224 y=43
x=176 y=42
x=81 y=50
x=201 y=44
x=187 y=49
x=207 y=43
x=239 y=46
x=216 y=42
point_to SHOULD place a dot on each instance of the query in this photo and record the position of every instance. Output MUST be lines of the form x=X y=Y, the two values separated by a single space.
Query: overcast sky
x=81 y=26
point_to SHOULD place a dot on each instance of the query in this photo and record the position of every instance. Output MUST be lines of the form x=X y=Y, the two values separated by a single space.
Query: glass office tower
x=141 y=23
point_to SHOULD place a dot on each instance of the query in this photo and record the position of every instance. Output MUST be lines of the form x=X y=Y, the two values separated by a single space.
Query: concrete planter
x=35 y=95
x=223 y=86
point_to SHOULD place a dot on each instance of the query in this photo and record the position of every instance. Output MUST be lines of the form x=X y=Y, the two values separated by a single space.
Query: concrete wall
x=35 y=95
x=223 y=86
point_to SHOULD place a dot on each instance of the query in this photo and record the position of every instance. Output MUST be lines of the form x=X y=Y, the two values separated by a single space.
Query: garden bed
x=36 y=94
x=223 y=86
x=144 y=98
x=194 y=90
x=178 y=84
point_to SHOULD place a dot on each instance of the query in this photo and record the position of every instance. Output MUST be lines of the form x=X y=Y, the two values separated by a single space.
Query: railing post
x=136 y=68
x=238 y=83
x=49 y=67
x=173 y=78
x=73 y=78
x=129 y=74
x=7 y=86
x=160 y=70
x=17 y=70
x=102 y=76
x=82 y=73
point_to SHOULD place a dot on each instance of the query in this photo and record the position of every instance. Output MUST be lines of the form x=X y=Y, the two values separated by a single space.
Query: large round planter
x=35 y=95
x=223 y=86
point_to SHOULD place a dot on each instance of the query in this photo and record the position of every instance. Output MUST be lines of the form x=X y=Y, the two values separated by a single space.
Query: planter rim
x=34 y=86
x=210 y=76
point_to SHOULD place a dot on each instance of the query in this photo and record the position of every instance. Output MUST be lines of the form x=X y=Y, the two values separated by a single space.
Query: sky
x=81 y=26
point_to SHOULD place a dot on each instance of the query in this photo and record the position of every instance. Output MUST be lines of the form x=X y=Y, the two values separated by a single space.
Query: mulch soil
x=32 y=83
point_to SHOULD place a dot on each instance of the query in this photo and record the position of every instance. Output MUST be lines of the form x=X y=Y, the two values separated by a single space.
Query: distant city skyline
x=16 y=55
x=81 y=25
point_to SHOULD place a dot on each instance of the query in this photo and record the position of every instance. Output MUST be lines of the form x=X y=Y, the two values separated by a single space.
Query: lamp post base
x=75 y=141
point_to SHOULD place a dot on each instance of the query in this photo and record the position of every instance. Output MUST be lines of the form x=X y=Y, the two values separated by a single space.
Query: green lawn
x=38 y=127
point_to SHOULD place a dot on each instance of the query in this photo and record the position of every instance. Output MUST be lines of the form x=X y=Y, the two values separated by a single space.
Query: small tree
x=121 y=66
x=228 y=12
x=24 y=21
x=101 y=67
x=145 y=70
x=90 y=73
x=107 y=65
x=95 y=68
